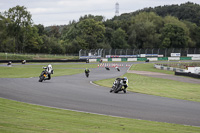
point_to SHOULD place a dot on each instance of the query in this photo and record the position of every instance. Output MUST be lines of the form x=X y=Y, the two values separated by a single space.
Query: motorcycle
x=107 y=68
x=44 y=75
x=118 y=86
x=24 y=61
x=87 y=74
x=117 y=68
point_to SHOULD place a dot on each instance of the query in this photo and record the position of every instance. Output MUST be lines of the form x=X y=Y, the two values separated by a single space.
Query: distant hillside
x=188 y=11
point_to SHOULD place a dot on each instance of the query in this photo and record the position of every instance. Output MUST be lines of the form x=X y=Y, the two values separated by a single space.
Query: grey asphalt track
x=75 y=92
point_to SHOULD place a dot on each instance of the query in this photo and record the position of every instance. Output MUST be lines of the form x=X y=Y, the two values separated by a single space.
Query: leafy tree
x=187 y=11
x=194 y=34
x=96 y=18
x=5 y=40
x=108 y=34
x=119 y=39
x=173 y=36
x=54 y=32
x=32 y=40
x=87 y=33
x=72 y=47
x=175 y=21
x=18 y=20
x=50 y=45
x=41 y=29
x=69 y=33
x=145 y=30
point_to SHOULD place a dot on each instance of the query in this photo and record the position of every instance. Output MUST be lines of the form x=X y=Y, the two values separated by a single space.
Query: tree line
x=175 y=26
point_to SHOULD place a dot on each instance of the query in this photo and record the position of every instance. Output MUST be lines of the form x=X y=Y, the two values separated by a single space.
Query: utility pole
x=117 y=9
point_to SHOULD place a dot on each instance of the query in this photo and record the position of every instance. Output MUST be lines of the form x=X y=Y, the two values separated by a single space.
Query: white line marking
x=93 y=83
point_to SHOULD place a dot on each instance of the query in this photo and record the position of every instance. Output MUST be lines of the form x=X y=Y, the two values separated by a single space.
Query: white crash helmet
x=50 y=66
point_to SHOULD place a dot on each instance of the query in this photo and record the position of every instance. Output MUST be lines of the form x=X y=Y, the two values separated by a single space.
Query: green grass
x=148 y=67
x=10 y=56
x=27 y=71
x=157 y=86
x=17 y=117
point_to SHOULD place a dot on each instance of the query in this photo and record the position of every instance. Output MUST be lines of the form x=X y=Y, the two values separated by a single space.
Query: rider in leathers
x=87 y=71
x=49 y=70
x=122 y=81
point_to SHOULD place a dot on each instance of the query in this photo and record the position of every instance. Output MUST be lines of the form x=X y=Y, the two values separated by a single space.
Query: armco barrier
x=105 y=60
x=19 y=61
x=93 y=60
x=116 y=59
x=168 y=68
x=173 y=58
x=123 y=59
x=162 y=58
x=141 y=59
x=152 y=59
x=188 y=74
x=109 y=59
x=185 y=58
x=132 y=59
x=194 y=58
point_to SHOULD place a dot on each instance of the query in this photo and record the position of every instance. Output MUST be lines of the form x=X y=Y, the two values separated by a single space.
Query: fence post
x=120 y=51
x=115 y=51
x=145 y=51
x=80 y=53
x=110 y=51
x=101 y=52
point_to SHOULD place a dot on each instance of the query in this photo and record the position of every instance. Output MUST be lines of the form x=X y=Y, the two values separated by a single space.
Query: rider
x=124 y=82
x=49 y=70
x=87 y=70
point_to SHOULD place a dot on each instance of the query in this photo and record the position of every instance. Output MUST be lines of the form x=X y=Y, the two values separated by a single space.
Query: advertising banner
x=175 y=54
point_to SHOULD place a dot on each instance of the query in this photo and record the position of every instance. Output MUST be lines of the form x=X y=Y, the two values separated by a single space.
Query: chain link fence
x=165 y=52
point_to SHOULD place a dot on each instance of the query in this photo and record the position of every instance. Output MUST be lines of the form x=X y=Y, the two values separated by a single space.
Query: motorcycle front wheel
x=87 y=75
x=41 y=78
x=118 y=89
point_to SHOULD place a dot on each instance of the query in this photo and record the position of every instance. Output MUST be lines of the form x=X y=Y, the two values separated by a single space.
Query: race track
x=77 y=93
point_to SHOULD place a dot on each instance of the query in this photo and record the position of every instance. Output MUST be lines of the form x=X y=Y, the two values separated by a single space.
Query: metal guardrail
x=27 y=61
x=159 y=51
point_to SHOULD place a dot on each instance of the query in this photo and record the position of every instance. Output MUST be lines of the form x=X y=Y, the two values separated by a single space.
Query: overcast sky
x=59 y=12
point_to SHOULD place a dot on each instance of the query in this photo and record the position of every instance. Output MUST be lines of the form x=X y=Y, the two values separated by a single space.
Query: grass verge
x=157 y=86
x=10 y=56
x=149 y=67
x=27 y=71
x=20 y=117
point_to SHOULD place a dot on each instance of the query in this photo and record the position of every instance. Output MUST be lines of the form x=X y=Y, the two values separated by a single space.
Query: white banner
x=175 y=54
x=193 y=55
